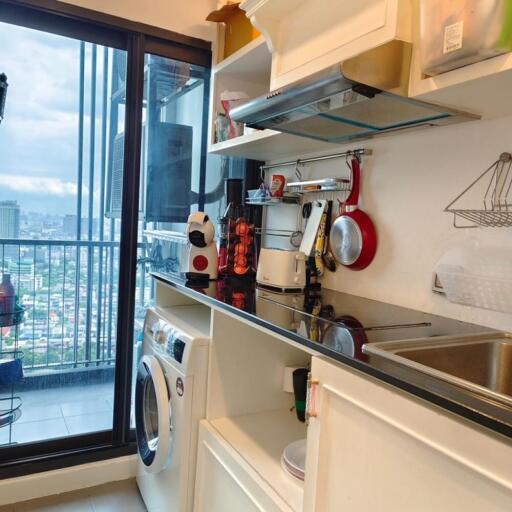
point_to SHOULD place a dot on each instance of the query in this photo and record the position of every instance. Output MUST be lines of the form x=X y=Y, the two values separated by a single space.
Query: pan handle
x=353 y=197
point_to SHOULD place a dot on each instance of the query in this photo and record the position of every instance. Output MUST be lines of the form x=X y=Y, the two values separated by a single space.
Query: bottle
x=7 y=301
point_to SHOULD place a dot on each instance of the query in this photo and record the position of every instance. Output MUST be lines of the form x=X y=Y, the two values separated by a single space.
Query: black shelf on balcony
x=13 y=318
x=10 y=404
x=10 y=410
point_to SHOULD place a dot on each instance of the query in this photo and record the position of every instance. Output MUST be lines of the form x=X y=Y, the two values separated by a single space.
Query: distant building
x=9 y=219
x=21 y=268
x=69 y=225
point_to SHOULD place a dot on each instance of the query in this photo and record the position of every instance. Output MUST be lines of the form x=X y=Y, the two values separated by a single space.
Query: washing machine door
x=153 y=415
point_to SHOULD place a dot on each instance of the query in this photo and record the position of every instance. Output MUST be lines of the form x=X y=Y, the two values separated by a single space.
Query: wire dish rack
x=493 y=191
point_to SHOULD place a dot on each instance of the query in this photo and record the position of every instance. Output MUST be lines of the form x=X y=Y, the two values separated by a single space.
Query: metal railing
x=70 y=290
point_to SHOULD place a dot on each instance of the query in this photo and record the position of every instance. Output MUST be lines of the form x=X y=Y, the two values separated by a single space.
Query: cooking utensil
x=327 y=257
x=347 y=337
x=353 y=239
x=306 y=210
x=309 y=237
x=320 y=246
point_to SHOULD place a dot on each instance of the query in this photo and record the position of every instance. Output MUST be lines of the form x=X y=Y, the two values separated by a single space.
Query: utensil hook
x=298 y=172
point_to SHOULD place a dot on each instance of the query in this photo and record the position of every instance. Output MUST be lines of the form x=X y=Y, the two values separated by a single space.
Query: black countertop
x=338 y=325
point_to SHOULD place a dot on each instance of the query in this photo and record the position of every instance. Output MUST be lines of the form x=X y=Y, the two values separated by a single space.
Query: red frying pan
x=353 y=238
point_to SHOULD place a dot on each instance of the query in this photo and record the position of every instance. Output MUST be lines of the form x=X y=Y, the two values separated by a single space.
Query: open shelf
x=260 y=439
x=268 y=145
x=253 y=59
x=482 y=88
x=248 y=70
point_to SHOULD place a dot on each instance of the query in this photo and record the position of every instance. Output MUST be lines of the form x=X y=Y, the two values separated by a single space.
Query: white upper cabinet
x=307 y=36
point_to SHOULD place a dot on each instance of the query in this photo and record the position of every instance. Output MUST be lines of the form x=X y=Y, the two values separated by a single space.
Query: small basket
x=481 y=291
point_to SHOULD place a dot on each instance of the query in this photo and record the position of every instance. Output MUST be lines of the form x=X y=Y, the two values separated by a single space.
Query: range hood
x=360 y=98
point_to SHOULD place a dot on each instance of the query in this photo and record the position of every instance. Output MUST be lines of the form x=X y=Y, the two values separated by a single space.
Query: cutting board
x=308 y=240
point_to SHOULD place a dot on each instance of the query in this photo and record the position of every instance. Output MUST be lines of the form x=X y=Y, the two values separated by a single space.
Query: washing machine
x=170 y=399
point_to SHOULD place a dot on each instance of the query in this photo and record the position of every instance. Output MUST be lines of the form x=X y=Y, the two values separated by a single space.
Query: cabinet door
x=223 y=484
x=372 y=447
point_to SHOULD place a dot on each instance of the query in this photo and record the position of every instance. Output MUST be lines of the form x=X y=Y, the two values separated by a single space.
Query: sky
x=39 y=133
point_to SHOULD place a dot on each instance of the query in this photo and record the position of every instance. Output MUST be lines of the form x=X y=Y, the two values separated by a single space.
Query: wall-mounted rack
x=322 y=185
x=301 y=161
x=274 y=201
x=487 y=202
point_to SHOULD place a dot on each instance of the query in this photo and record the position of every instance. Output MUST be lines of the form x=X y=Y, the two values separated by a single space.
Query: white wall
x=406 y=185
x=183 y=16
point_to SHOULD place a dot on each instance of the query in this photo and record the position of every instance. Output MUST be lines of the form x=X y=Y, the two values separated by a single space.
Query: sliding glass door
x=173 y=170
x=102 y=139
x=61 y=175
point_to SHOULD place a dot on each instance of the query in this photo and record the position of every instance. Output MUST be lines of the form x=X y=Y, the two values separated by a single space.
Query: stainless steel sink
x=475 y=370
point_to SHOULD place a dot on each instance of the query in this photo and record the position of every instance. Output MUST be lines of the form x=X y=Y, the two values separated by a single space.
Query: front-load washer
x=170 y=399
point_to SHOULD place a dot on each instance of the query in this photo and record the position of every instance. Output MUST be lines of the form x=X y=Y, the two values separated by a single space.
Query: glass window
x=61 y=147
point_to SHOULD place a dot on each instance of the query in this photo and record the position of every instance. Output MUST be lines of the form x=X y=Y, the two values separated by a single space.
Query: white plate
x=294 y=458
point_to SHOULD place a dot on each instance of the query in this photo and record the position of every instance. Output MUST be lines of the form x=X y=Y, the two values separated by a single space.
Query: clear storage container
x=455 y=33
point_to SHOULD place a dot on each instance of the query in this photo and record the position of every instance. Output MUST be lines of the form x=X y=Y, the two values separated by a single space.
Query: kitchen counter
x=337 y=325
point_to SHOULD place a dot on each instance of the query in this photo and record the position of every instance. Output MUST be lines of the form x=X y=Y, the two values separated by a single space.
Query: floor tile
x=4 y=436
x=120 y=496
x=42 y=405
x=32 y=412
x=89 y=422
x=39 y=430
x=67 y=502
x=117 y=497
x=88 y=406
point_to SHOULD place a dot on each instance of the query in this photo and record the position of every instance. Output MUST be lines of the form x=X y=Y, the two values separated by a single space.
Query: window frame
x=137 y=39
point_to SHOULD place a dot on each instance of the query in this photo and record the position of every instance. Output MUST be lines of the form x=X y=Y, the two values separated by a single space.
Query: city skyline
x=42 y=118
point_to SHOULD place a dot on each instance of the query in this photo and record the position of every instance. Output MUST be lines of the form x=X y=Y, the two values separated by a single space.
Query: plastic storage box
x=456 y=33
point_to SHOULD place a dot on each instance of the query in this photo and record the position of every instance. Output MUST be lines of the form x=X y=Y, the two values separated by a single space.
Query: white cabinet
x=249 y=422
x=372 y=447
x=307 y=36
x=248 y=71
x=224 y=483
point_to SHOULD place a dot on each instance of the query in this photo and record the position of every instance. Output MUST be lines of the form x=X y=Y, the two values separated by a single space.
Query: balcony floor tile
x=45 y=411
x=89 y=422
x=80 y=406
x=61 y=411
x=39 y=430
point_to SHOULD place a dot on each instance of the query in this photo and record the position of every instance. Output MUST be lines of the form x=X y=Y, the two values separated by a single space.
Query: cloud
x=37 y=185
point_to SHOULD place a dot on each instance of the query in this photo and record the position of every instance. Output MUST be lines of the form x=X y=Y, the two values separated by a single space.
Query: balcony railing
x=70 y=290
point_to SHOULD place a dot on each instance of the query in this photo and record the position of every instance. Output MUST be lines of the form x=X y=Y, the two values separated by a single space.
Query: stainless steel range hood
x=361 y=98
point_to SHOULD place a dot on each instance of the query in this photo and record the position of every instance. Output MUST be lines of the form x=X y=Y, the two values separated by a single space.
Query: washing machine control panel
x=175 y=345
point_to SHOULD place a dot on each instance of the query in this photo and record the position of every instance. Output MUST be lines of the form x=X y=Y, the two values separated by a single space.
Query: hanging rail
x=352 y=152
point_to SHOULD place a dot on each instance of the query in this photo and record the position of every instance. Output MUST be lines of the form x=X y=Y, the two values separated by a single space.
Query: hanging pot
x=353 y=238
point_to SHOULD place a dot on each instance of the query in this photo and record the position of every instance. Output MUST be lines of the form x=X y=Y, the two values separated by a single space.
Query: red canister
x=277 y=185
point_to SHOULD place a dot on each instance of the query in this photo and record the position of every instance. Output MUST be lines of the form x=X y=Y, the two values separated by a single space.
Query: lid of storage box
x=224 y=13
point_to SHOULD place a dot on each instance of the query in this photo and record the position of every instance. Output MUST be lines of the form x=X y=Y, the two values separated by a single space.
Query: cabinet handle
x=311 y=398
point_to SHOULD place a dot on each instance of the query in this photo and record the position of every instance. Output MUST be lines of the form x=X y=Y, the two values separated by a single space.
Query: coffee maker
x=202 y=258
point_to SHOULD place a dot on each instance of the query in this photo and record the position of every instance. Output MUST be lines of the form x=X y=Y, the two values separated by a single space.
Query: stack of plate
x=293 y=459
